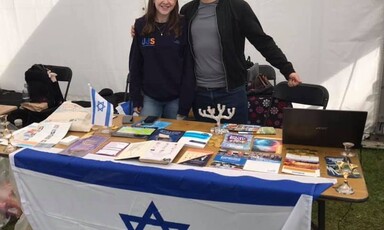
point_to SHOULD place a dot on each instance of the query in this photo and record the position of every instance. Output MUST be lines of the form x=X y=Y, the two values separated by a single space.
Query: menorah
x=211 y=114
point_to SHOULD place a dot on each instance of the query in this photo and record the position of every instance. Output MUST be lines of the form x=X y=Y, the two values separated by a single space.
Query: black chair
x=307 y=94
x=266 y=70
x=64 y=74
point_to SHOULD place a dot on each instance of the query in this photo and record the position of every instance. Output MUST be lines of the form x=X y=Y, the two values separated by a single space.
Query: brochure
x=237 y=141
x=333 y=170
x=112 y=148
x=133 y=132
x=43 y=134
x=267 y=145
x=134 y=150
x=166 y=135
x=157 y=124
x=196 y=157
x=84 y=146
x=229 y=159
x=161 y=152
x=301 y=162
x=241 y=127
x=263 y=162
x=195 y=139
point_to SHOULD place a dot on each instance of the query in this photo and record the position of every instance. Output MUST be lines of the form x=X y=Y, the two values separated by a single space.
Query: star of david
x=147 y=220
x=100 y=106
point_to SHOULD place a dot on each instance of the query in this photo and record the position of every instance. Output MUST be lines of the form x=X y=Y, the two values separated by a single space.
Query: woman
x=161 y=65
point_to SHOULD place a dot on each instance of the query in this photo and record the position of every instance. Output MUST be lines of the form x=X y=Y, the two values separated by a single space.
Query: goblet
x=346 y=169
x=348 y=149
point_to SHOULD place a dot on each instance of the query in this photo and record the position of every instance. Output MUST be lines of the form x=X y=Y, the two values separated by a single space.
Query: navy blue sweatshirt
x=161 y=67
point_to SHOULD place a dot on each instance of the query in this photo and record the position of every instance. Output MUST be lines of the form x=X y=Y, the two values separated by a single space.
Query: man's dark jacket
x=237 y=21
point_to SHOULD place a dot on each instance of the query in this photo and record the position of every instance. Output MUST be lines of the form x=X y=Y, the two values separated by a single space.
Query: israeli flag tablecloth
x=64 y=192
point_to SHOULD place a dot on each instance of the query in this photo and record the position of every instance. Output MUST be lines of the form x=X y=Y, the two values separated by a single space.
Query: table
x=159 y=175
x=6 y=109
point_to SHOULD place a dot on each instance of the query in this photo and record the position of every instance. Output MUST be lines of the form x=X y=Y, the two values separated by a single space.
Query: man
x=217 y=32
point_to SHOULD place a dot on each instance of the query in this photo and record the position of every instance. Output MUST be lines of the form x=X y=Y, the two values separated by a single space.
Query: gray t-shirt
x=209 y=67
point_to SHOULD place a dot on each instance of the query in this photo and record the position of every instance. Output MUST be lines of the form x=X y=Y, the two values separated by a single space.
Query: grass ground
x=351 y=216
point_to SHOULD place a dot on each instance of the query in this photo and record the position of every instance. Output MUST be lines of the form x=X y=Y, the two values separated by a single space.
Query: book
x=265 y=130
x=134 y=150
x=112 y=148
x=267 y=145
x=241 y=127
x=134 y=132
x=263 y=162
x=44 y=134
x=157 y=124
x=85 y=145
x=166 y=135
x=333 y=169
x=237 y=141
x=195 y=139
x=161 y=152
x=301 y=162
x=196 y=157
x=247 y=160
x=229 y=159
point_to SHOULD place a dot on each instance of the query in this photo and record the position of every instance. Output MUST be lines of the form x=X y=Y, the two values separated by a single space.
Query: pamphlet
x=241 y=127
x=195 y=139
x=229 y=159
x=252 y=161
x=267 y=145
x=237 y=141
x=166 y=135
x=195 y=157
x=134 y=150
x=301 y=162
x=133 y=132
x=161 y=152
x=265 y=130
x=333 y=170
x=84 y=146
x=263 y=162
x=43 y=134
x=112 y=148
x=157 y=124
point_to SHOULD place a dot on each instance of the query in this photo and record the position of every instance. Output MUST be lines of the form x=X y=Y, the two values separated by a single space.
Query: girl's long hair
x=173 y=24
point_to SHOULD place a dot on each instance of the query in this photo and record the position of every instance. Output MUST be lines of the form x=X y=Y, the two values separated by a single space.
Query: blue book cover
x=237 y=141
x=267 y=145
x=166 y=135
x=229 y=159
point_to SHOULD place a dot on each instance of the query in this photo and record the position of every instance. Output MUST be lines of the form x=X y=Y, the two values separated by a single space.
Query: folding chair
x=266 y=70
x=64 y=75
x=307 y=94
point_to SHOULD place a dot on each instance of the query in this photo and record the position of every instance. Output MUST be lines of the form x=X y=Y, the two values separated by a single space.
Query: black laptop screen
x=329 y=128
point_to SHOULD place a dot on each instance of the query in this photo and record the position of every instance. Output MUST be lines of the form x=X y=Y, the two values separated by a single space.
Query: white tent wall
x=337 y=44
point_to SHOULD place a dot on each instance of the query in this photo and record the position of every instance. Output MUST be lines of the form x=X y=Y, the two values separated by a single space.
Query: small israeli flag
x=125 y=108
x=102 y=110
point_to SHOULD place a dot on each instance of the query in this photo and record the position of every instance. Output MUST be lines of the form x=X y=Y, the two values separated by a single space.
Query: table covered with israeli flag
x=66 y=192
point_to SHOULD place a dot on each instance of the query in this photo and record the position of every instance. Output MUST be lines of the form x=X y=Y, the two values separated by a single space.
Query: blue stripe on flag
x=93 y=98
x=108 y=115
x=193 y=184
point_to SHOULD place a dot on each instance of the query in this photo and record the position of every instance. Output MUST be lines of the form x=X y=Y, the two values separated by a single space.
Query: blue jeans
x=165 y=109
x=236 y=98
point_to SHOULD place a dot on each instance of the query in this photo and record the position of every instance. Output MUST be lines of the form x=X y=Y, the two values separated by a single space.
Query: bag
x=260 y=85
x=41 y=88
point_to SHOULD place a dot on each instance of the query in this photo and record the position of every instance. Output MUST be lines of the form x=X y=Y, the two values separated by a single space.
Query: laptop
x=328 y=128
